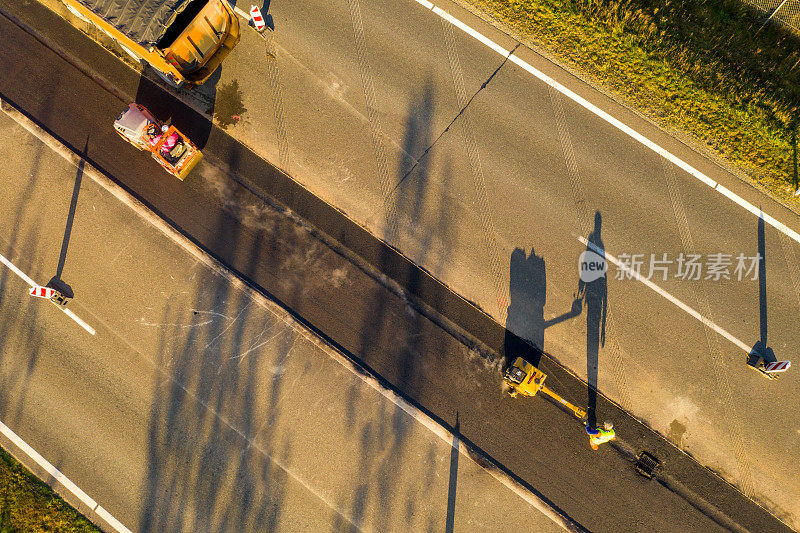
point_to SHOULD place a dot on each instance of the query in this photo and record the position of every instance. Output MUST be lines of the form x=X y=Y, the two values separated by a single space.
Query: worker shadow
x=525 y=323
x=594 y=293
x=761 y=347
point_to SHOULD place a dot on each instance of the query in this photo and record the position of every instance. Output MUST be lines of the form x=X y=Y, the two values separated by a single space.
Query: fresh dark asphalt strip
x=537 y=461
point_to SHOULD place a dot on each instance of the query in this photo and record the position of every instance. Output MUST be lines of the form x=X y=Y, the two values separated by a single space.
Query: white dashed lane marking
x=635 y=275
x=32 y=283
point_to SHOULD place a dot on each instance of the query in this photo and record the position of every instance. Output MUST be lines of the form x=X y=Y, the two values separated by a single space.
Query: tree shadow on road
x=412 y=213
x=213 y=464
x=14 y=384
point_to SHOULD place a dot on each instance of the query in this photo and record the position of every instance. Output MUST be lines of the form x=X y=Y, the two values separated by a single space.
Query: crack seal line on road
x=461 y=112
x=663 y=152
x=432 y=425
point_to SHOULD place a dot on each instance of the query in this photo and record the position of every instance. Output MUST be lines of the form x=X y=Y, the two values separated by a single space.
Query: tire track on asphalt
x=582 y=215
x=276 y=92
x=585 y=222
x=714 y=346
x=368 y=90
x=499 y=282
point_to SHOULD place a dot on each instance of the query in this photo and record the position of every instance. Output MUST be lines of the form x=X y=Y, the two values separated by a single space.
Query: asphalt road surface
x=197 y=404
x=487 y=177
x=536 y=441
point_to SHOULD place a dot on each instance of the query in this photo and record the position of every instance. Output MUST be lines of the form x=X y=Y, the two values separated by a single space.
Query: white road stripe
x=78 y=320
x=672 y=158
x=32 y=283
x=17 y=271
x=472 y=33
x=189 y=246
x=706 y=322
x=56 y=474
x=636 y=136
x=113 y=522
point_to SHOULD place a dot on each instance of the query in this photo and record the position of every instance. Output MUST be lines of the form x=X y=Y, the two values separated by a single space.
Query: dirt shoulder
x=28 y=504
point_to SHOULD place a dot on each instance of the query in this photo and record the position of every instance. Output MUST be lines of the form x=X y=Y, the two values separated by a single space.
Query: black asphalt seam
x=460 y=112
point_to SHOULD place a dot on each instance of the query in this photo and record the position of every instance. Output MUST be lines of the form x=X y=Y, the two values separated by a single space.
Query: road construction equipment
x=171 y=148
x=183 y=40
x=524 y=378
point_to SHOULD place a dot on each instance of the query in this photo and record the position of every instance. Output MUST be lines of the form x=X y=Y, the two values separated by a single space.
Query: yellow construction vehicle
x=183 y=40
x=524 y=378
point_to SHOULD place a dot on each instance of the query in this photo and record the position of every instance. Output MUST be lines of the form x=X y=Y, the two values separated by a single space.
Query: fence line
x=785 y=12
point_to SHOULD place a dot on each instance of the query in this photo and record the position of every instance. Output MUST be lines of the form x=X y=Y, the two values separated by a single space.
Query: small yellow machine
x=524 y=378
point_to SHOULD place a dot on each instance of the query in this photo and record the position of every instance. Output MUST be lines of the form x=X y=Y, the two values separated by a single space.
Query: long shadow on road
x=204 y=471
x=595 y=296
x=525 y=322
x=388 y=428
x=761 y=346
x=13 y=384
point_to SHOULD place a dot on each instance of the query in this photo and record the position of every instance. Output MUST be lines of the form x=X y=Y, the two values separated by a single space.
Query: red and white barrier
x=257 y=18
x=42 y=292
x=777 y=366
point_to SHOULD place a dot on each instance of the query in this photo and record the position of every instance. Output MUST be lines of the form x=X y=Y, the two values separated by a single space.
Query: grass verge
x=703 y=67
x=27 y=504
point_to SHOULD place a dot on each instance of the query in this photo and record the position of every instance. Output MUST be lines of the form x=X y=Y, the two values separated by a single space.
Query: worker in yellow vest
x=598 y=436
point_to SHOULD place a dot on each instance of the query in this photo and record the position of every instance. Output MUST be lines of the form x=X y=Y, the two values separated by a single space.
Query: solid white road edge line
x=17 y=271
x=780 y=226
x=706 y=322
x=32 y=283
x=56 y=474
